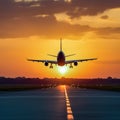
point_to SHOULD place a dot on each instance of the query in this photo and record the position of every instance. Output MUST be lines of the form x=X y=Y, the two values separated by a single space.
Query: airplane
x=61 y=59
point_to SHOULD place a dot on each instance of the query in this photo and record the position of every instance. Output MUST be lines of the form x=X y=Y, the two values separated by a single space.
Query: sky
x=32 y=29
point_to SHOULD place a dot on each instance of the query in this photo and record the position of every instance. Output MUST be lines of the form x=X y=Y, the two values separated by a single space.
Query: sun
x=62 y=69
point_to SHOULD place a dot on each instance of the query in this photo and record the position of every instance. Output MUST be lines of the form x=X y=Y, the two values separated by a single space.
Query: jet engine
x=46 y=63
x=75 y=63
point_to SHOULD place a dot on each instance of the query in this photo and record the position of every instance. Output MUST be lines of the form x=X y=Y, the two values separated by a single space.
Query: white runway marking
x=68 y=106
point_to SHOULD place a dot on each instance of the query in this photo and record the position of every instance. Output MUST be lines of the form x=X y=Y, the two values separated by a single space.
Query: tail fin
x=60 y=44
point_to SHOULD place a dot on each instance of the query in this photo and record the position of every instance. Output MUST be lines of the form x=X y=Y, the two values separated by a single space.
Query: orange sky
x=32 y=29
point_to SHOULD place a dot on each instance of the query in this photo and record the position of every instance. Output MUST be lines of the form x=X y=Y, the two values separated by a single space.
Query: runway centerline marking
x=68 y=106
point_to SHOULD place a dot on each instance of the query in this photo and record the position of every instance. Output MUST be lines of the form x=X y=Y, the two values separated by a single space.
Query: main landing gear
x=51 y=66
x=71 y=66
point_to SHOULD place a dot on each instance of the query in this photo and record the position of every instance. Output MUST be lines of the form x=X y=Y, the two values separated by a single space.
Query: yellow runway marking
x=68 y=106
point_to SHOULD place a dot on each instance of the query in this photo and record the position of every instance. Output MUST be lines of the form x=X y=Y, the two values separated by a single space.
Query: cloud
x=22 y=18
x=108 y=33
x=104 y=17
x=91 y=7
x=108 y=18
x=75 y=8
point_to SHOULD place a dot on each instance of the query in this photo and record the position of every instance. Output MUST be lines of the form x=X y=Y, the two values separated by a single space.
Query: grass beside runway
x=99 y=87
x=24 y=87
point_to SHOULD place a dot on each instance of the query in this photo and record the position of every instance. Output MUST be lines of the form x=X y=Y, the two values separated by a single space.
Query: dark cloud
x=92 y=7
x=104 y=17
x=47 y=26
x=108 y=32
x=17 y=19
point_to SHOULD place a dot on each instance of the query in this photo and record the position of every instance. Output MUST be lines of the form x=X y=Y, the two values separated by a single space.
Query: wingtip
x=28 y=59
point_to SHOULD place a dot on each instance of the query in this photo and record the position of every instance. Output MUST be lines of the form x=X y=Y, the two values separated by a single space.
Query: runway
x=60 y=103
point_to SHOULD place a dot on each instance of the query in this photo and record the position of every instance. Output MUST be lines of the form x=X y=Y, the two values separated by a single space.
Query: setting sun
x=62 y=70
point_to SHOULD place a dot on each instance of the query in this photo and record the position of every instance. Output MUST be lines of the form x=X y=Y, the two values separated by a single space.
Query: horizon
x=109 y=77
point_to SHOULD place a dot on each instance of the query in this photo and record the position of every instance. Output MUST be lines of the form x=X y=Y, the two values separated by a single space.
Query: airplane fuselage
x=61 y=58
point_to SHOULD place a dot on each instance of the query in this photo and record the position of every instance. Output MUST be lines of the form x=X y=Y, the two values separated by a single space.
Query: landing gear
x=71 y=66
x=51 y=66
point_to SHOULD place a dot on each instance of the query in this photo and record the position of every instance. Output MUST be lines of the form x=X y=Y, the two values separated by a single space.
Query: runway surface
x=60 y=103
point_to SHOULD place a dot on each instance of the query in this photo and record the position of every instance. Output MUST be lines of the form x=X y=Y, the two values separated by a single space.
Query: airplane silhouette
x=61 y=59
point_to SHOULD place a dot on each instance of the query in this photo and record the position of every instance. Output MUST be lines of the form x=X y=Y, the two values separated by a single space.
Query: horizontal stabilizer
x=69 y=55
x=52 y=55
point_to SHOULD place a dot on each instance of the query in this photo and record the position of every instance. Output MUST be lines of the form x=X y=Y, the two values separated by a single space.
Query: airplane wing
x=80 y=60
x=43 y=61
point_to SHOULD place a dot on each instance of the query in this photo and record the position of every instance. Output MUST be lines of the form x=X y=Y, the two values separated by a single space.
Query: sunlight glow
x=25 y=0
x=62 y=70
x=68 y=1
